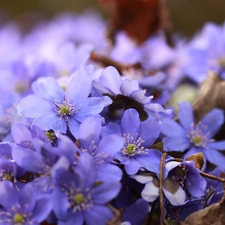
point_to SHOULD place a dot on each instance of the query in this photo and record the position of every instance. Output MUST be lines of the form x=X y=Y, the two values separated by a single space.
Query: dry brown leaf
x=212 y=215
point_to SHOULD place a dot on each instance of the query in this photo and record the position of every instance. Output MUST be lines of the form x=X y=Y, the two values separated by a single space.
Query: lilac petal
x=89 y=132
x=150 y=161
x=110 y=172
x=215 y=158
x=106 y=192
x=44 y=121
x=21 y=133
x=62 y=177
x=60 y=204
x=150 y=192
x=98 y=214
x=111 y=79
x=177 y=144
x=79 y=87
x=153 y=108
x=59 y=124
x=213 y=120
x=173 y=192
x=130 y=123
x=29 y=160
x=132 y=166
x=73 y=219
x=8 y=195
x=185 y=115
x=196 y=190
x=139 y=96
x=91 y=107
x=62 y=162
x=110 y=145
x=111 y=128
x=66 y=148
x=48 y=88
x=136 y=213
x=86 y=168
x=42 y=209
x=74 y=127
x=128 y=86
x=171 y=128
x=34 y=106
x=150 y=131
x=218 y=145
x=27 y=197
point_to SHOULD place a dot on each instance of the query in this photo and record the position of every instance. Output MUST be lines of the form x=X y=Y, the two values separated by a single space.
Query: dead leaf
x=212 y=215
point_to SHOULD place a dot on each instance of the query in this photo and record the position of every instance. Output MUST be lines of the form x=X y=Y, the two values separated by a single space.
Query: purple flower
x=127 y=93
x=22 y=207
x=206 y=52
x=179 y=182
x=103 y=150
x=79 y=197
x=195 y=137
x=138 y=138
x=54 y=108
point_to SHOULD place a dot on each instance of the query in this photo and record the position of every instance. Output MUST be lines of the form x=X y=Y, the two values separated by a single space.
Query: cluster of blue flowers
x=80 y=141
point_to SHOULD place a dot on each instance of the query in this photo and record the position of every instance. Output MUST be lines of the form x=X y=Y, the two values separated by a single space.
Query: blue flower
x=206 y=52
x=22 y=207
x=103 y=150
x=195 y=137
x=52 y=108
x=138 y=138
x=79 y=197
x=128 y=93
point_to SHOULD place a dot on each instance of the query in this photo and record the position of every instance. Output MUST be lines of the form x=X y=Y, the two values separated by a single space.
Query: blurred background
x=187 y=16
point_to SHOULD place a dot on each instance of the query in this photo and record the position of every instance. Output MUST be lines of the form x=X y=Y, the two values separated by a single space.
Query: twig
x=106 y=61
x=161 y=195
x=220 y=179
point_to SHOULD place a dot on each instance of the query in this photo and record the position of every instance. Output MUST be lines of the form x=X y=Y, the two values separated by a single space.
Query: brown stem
x=106 y=61
x=220 y=179
x=161 y=195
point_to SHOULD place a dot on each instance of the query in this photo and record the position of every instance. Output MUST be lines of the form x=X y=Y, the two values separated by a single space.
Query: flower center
x=65 y=109
x=79 y=198
x=199 y=135
x=197 y=140
x=132 y=145
x=179 y=174
x=18 y=218
x=50 y=135
x=131 y=149
x=8 y=176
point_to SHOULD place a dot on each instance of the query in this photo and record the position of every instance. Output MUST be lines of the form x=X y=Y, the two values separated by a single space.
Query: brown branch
x=106 y=61
x=220 y=179
x=161 y=195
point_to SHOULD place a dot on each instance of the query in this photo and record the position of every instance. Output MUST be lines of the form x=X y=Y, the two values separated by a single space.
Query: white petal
x=177 y=198
x=142 y=179
x=150 y=192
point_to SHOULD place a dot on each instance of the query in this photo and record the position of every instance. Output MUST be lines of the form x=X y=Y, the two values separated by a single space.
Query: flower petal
x=98 y=214
x=79 y=87
x=177 y=144
x=173 y=192
x=130 y=123
x=172 y=128
x=89 y=132
x=213 y=120
x=150 y=192
x=185 y=115
x=34 y=106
